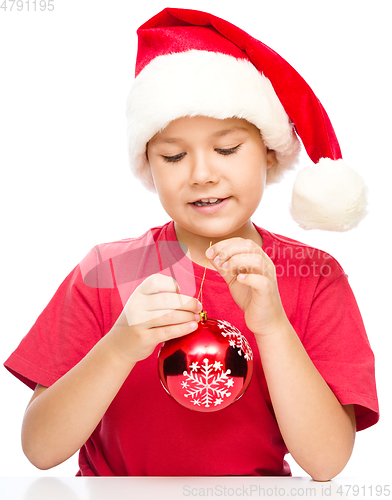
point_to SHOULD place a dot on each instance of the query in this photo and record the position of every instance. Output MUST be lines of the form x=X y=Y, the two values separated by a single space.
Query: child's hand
x=154 y=313
x=251 y=277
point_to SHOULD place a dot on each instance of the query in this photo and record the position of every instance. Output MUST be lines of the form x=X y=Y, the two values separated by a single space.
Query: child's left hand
x=251 y=277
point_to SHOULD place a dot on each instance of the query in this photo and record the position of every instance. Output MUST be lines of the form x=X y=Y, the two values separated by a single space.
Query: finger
x=244 y=263
x=256 y=281
x=168 y=332
x=225 y=250
x=158 y=283
x=167 y=318
x=164 y=301
x=214 y=250
x=270 y=266
x=249 y=264
x=152 y=319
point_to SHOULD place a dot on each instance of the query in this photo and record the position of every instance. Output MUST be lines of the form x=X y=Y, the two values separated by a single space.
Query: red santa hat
x=191 y=63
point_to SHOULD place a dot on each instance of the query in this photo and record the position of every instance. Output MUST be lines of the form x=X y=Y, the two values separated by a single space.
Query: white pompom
x=329 y=196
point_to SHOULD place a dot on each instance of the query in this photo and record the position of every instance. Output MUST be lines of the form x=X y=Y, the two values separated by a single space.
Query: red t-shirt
x=147 y=433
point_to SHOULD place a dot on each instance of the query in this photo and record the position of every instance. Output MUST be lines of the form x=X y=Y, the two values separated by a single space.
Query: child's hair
x=191 y=63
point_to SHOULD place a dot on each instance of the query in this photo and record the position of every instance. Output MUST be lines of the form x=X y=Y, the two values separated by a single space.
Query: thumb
x=222 y=269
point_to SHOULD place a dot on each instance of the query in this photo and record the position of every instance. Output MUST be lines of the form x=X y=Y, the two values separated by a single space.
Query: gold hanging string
x=203 y=314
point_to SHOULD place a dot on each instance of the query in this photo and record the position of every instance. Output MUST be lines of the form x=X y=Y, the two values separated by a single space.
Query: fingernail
x=210 y=253
x=193 y=325
x=216 y=260
x=177 y=285
x=225 y=265
x=197 y=317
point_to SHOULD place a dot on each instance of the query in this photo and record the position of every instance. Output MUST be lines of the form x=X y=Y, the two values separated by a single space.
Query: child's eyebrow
x=175 y=140
x=230 y=130
x=165 y=140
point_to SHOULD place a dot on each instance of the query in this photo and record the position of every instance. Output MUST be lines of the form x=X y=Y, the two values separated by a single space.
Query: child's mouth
x=210 y=205
x=208 y=202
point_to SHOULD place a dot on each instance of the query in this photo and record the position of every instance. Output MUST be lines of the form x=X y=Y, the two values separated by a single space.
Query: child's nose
x=203 y=171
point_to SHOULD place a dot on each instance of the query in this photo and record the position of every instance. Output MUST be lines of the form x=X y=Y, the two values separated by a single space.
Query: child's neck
x=197 y=244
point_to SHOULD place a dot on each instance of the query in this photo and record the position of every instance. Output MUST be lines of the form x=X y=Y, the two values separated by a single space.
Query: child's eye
x=228 y=151
x=174 y=158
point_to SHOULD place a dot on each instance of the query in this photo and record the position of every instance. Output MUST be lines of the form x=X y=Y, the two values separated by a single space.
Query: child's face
x=205 y=158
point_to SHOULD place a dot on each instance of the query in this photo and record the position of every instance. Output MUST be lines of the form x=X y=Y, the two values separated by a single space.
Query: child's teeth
x=205 y=202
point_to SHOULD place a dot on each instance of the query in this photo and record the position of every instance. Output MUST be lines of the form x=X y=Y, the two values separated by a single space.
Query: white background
x=66 y=186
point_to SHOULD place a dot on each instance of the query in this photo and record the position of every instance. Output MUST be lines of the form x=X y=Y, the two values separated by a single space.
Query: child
x=213 y=115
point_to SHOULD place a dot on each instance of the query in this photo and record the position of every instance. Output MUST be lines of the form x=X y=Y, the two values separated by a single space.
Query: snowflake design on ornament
x=205 y=386
x=236 y=339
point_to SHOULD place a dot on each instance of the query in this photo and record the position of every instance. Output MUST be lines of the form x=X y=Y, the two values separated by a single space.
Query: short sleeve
x=70 y=325
x=337 y=343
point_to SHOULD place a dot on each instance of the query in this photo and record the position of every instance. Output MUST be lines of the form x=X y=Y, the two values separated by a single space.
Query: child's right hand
x=154 y=313
x=64 y=415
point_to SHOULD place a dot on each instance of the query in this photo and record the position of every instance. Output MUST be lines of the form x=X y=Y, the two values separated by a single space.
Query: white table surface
x=173 y=488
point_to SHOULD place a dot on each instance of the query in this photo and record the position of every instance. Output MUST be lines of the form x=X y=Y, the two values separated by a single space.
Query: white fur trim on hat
x=210 y=84
x=329 y=196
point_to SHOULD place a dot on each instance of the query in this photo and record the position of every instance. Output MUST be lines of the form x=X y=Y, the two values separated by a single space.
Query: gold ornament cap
x=203 y=316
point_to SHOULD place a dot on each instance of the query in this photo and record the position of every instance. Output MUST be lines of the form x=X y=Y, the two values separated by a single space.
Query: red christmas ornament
x=208 y=369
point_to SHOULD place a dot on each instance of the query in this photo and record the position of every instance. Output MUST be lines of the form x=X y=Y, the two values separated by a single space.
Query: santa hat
x=191 y=63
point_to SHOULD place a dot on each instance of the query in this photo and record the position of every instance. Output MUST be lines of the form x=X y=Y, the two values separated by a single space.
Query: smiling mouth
x=208 y=202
